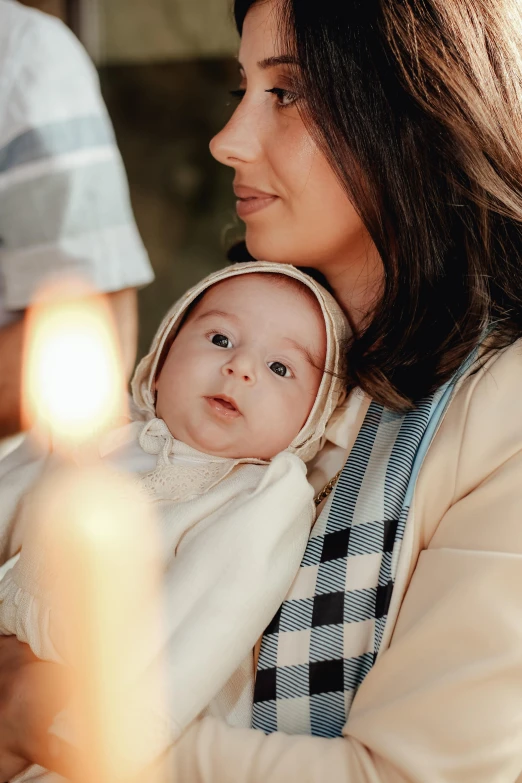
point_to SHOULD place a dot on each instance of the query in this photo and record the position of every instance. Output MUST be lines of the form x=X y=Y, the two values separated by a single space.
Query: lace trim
x=182 y=481
x=190 y=474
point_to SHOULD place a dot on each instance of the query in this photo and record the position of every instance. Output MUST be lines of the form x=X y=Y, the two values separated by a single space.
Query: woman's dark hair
x=417 y=104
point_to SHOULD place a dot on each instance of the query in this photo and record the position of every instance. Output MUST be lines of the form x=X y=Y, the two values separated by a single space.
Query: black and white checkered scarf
x=327 y=634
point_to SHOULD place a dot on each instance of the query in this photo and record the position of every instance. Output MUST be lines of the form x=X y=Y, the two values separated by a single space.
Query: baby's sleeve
x=26 y=605
x=19 y=471
x=28 y=589
x=26 y=616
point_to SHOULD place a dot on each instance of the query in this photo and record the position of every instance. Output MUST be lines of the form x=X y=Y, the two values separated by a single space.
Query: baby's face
x=243 y=373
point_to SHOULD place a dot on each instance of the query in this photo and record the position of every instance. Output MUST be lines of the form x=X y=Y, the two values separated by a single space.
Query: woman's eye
x=285 y=98
x=221 y=341
x=280 y=369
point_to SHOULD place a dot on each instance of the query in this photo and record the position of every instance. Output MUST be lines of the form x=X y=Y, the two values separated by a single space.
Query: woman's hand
x=32 y=693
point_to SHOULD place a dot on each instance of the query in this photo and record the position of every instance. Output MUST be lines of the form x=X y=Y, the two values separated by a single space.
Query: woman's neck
x=356 y=284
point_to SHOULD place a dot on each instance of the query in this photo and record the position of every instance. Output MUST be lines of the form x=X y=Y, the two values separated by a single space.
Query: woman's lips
x=248 y=206
x=224 y=407
x=251 y=200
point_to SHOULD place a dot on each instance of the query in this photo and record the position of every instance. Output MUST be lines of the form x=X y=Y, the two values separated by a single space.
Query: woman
x=380 y=143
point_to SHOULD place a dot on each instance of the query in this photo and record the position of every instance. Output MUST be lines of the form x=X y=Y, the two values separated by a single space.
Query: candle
x=102 y=558
x=97 y=535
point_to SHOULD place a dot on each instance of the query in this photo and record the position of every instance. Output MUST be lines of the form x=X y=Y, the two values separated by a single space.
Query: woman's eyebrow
x=273 y=62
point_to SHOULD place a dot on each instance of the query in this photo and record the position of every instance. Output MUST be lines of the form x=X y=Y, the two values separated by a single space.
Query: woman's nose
x=242 y=368
x=239 y=140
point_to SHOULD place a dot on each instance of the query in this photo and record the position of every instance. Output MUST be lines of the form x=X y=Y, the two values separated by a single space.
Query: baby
x=232 y=401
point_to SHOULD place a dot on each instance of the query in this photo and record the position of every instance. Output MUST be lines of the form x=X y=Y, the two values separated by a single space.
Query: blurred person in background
x=64 y=201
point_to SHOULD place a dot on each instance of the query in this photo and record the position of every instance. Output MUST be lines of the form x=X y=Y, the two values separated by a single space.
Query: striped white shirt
x=64 y=200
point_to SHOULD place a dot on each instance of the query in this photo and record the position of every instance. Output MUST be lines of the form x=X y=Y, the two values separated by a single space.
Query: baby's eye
x=221 y=341
x=280 y=369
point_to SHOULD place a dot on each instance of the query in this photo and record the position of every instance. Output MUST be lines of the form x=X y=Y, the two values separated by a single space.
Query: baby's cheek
x=265 y=432
x=290 y=419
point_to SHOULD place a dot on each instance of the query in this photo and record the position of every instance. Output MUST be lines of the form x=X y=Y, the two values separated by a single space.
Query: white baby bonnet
x=333 y=384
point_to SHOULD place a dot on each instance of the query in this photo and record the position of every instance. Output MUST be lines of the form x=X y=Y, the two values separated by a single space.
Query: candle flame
x=73 y=384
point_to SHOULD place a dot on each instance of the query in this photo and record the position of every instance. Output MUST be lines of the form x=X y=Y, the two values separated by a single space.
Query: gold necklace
x=328 y=489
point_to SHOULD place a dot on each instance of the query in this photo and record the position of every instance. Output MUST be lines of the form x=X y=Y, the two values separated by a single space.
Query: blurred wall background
x=133 y=30
x=165 y=68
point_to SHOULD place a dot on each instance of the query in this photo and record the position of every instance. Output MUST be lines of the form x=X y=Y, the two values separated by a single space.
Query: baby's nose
x=242 y=369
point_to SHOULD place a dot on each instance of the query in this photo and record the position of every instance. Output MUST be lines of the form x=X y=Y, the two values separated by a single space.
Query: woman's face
x=293 y=205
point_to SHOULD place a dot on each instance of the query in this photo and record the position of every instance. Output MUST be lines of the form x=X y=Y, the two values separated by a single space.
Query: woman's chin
x=263 y=248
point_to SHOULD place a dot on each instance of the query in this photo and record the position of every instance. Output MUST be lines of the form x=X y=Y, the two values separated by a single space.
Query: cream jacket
x=443 y=702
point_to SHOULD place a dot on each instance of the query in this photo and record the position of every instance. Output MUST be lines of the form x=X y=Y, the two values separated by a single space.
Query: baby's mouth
x=225 y=406
x=226 y=403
